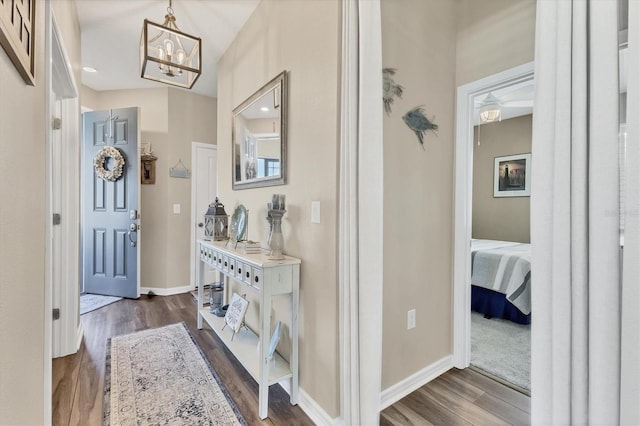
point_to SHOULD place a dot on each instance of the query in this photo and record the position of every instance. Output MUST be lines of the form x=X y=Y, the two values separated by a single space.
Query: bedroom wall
x=493 y=35
x=23 y=177
x=303 y=38
x=505 y=218
x=170 y=119
x=418 y=39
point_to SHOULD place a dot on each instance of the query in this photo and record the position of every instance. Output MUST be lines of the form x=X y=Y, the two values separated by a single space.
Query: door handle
x=133 y=228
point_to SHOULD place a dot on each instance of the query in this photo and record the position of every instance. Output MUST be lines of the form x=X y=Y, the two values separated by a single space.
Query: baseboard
x=166 y=291
x=403 y=388
x=311 y=408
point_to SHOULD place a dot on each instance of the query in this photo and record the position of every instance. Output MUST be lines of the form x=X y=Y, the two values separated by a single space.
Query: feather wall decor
x=419 y=123
x=390 y=89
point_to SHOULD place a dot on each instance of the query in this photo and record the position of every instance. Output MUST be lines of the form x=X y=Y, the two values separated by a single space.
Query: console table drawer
x=256 y=278
x=246 y=274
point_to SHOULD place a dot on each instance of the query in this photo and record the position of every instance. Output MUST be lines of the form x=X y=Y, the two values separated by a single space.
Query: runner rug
x=91 y=302
x=160 y=376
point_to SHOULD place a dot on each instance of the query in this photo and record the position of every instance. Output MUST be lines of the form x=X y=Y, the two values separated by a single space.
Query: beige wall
x=303 y=38
x=170 y=119
x=499 y=218
x=22 y=225
x=493 y=35
x=418 y=39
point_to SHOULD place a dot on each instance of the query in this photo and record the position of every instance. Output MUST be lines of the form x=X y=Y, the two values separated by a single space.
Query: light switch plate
x=176 y=209
x=315 y=212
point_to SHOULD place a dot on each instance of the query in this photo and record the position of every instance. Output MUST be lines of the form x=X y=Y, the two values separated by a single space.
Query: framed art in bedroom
x=512 y=176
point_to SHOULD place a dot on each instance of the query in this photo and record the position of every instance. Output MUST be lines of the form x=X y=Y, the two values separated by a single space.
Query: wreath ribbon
x=100 y=160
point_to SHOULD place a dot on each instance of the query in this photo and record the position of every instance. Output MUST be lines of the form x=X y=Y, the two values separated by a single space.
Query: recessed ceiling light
x=265 y=109
x=89 y=69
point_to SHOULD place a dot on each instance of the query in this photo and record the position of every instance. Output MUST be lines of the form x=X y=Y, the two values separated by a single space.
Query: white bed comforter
x=505 y=267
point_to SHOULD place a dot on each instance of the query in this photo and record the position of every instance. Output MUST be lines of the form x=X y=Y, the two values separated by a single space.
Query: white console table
x=267 y=278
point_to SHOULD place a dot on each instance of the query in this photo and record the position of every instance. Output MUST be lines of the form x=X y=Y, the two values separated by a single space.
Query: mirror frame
x=281 y=80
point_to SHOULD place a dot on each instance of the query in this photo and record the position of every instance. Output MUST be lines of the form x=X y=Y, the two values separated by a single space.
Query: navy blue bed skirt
x=495 y=305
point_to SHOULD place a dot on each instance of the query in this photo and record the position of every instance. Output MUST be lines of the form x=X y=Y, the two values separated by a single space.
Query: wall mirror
x=259 y=137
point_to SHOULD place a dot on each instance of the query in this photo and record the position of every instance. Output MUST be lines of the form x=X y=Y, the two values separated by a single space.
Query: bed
x=501 y=279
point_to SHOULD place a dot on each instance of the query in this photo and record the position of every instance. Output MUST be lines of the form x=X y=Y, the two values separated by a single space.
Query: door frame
x=463 y=202
x=63 y=272
x=65 y=338
x=194 y=213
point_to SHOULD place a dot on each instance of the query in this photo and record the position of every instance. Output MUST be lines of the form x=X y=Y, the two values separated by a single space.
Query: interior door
x=204 y=191
x=110 y=209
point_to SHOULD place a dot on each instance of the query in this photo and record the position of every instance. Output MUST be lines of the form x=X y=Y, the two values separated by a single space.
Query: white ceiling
x=111 y=37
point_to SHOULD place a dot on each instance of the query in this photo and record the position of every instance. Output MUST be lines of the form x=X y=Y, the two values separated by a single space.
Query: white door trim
x=463 y=202
x=360 y=226
x=194 y=213
x=348 y=220
x=64 y=270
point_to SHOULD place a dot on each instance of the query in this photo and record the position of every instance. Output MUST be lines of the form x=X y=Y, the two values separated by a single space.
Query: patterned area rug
x=160 y=376
x=503 y=349
x=91 y=302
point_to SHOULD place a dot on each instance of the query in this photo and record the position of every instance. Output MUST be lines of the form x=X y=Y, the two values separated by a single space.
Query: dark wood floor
x=460 y=397
x=457 y=397
x=78 y=379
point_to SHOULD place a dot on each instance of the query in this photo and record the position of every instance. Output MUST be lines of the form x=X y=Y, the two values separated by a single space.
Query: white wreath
x=98 y=162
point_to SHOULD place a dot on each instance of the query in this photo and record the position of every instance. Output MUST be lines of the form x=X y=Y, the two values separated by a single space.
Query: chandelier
x=168 y=55
x=490 y=109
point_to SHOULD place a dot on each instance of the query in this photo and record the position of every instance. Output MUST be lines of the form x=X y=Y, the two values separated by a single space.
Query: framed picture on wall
x=512 y=176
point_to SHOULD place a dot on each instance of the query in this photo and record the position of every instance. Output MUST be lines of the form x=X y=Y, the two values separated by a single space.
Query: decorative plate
x=239 y=223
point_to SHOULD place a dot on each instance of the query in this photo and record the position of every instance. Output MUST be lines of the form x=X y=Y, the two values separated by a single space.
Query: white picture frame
x=275 y=338
x=236 y=311
x=512 y=176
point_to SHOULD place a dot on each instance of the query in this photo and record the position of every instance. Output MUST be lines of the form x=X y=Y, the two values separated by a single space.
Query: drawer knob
x=256 y=278
x=225 y=263
x=239 y=270
x=232 y=267
x=248 y=274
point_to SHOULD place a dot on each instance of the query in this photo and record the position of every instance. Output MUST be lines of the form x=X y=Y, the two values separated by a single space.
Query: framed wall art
x=512 y=176
x=18 y=34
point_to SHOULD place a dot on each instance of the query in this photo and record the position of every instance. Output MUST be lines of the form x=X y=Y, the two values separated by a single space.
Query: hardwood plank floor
x=460 y=397
x=78 y=380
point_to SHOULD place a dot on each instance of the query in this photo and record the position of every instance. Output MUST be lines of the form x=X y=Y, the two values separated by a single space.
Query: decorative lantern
x=216 y=222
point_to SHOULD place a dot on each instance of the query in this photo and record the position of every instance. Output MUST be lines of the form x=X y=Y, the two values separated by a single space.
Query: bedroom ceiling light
x=168 y=55
x=490 y=109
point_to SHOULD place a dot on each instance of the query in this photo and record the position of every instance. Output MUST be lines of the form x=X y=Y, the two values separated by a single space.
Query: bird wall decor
x=390 y=89
x=419 y=123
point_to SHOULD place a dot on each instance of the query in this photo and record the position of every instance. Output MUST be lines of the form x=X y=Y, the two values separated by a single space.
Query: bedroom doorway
x=493 y=153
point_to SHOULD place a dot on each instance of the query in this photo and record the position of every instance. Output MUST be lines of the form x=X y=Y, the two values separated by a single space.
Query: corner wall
x=418 y=39
x=506 y=218
x=23 y=189
x=170 y=119
x=493 y=35
x=302 y=37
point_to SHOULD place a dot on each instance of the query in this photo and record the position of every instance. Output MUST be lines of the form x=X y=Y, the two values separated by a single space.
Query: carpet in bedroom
x=502 y=348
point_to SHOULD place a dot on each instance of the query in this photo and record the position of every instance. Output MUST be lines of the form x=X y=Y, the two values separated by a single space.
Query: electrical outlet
x=411 y=319
x=176 y=209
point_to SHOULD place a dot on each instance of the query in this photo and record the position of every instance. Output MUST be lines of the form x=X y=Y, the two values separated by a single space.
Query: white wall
x=418 y=39
x=303 y=38
x=22 y=225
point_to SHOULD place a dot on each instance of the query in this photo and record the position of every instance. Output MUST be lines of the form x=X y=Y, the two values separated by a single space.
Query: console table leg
x=265 y=338
x=295 y=308
x=200 y=284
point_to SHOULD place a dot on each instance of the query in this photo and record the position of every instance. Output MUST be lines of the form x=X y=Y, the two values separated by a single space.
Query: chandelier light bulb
x=180 y=56
x=168 y=45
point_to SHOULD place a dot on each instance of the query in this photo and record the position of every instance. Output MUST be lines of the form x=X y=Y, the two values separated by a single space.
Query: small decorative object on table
x=276 y=211
x=234 y=317
x=216 y=222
